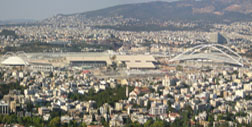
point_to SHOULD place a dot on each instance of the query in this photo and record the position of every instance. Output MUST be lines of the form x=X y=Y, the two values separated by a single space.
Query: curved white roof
x=15 y=61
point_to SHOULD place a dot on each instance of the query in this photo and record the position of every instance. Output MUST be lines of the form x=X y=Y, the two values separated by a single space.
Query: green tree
x=179 y=68
x=158 y=123
x=104 y=123
x=109 y=96
x=148 y=123
x=177 y=123
x=20 y=121
x=55 y=122
x=135 y=124
x=210 y=119
x=243 y=114
x=72 y=123
x=37 y=121
x=186 y=118
x=83 y=124
x=13 y=119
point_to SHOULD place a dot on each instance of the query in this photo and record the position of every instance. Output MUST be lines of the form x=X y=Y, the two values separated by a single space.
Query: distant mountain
x=205 y=11
x=16 y=21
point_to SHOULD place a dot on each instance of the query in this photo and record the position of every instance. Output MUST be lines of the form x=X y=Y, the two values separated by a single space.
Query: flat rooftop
x=132 y=61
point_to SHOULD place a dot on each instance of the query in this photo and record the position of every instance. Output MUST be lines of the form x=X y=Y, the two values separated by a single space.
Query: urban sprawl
x=76 y=74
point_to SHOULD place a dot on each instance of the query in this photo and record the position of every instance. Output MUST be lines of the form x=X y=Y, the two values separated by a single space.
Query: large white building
x=131 y=61
x=14 y=61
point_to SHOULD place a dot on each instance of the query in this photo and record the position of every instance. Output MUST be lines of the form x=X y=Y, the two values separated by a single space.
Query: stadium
x=48 y=61
x=210 y=54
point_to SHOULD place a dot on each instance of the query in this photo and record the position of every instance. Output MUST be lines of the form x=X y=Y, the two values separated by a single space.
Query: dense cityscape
x=76 y=71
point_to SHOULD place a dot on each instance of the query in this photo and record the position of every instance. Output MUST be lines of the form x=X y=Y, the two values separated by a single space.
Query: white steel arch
x=229 y=56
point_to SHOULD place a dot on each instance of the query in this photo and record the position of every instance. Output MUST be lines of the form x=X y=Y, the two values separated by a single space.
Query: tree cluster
x=110 y=95
x=5 y=88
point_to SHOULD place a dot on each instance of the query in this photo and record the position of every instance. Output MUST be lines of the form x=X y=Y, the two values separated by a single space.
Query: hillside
x=187 y=11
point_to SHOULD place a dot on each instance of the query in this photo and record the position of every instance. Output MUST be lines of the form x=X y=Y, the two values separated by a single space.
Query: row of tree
x=38 y=121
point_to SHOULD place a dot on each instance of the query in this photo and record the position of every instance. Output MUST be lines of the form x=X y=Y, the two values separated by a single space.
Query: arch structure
x=19 y=54
x=14 y=59
x=216 y=53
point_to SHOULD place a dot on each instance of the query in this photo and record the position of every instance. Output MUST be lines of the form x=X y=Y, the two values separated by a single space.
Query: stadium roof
x=101 y=58
x=15 y=61
x=142 y=65
x=133 y=58
x=131 y=61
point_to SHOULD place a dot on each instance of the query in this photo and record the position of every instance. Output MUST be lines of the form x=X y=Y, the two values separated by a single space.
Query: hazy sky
x=40 y=9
